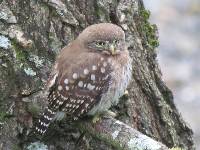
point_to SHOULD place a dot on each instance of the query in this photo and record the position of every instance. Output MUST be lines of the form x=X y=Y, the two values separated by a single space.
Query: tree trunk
x=31 y=34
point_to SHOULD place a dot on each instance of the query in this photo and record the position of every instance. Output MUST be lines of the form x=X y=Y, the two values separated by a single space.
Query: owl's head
x=103 y=38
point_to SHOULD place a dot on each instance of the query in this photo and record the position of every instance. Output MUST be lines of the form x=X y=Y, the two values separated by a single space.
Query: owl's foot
x=106 y=114
x=96 y=118
x=109 y=114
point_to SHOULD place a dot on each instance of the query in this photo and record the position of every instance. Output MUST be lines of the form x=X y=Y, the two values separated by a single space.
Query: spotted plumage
x=89 y=75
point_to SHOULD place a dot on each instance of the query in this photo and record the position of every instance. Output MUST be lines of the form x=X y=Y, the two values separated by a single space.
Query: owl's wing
x=80 y=88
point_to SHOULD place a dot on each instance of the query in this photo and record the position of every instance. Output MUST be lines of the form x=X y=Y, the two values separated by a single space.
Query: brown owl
x=89 y=75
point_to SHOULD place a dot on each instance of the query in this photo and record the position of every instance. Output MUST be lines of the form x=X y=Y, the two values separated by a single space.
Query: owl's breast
x=120 y=77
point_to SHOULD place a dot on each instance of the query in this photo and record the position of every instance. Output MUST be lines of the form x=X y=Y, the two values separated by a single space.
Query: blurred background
x=178 y=23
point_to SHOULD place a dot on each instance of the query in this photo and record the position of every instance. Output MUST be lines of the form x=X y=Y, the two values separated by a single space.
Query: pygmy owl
x=89 y=75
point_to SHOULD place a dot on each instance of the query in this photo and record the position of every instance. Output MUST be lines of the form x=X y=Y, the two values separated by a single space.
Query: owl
x=89 y=75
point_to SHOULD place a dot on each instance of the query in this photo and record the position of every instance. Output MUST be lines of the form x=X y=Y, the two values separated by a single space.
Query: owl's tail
x=44 y=121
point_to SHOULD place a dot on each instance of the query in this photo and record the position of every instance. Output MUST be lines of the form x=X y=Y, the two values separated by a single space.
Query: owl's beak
x=112 y=49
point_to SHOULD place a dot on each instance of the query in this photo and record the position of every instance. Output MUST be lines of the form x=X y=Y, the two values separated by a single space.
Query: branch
x=120 y=135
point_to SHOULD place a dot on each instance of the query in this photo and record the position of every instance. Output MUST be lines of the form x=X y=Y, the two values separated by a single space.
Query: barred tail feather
x=44 y=121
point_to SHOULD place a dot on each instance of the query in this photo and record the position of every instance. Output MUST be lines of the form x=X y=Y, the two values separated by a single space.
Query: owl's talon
x=96 y=118
x=109 y=114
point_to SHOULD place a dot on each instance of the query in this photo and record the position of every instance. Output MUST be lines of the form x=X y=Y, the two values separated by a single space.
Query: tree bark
x=31 y=34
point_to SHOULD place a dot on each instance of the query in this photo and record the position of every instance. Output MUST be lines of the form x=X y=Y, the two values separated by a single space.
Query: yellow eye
x=100 y=43
x=115 y=41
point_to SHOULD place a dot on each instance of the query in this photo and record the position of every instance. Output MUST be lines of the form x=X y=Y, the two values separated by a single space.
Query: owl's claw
x=96 y=118
x=109 y=114
x=106 y=114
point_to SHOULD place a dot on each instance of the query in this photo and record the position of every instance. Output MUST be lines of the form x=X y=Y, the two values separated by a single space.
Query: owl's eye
x=115 y=42
x=100 y=43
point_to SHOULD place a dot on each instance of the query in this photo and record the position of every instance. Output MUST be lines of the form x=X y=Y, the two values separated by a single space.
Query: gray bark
x=31 y=34
x=120 y=135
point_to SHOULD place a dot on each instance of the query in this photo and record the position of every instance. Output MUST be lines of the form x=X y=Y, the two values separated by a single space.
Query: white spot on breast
x=90 y=86
x=67 y=88
x=60 y=88
x=80 y=83
x=94 y=67
x=86 y=71
x=75 y=76
x=66 y=81
x=103 y=70
x=102 y=58
x=92 y=77
x=104 y=64
x=82 y=101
